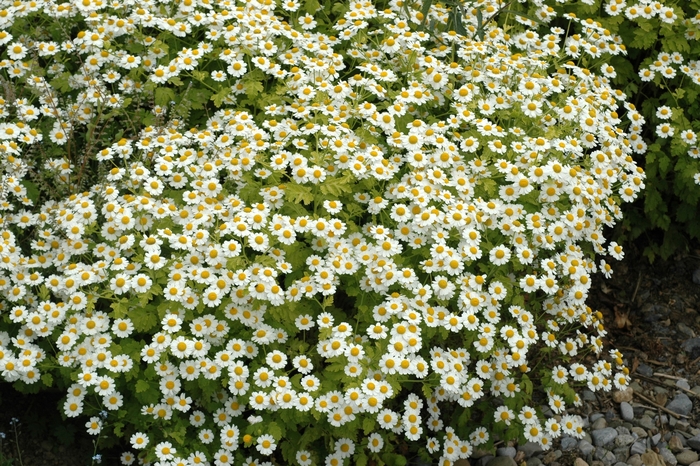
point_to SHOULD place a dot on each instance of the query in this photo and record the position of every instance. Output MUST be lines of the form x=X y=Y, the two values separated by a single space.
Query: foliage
x=660 y=75
x=301 y=232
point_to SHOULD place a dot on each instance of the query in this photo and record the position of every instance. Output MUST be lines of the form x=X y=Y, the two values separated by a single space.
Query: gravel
x=626 y=411
x=694 y=442
x=687 y=457
x=645 y=370
x=681 y=404
x=668 y=457
x=568 y=443
x=629 y=434
x=506 y=451
x=624 y=440
x=603 y=436
x=585 y=447
x=638 y=448
x=501 y=461
x=656 y=420
x=692 y=347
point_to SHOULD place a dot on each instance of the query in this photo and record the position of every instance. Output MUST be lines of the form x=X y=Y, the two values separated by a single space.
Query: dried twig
x=645 y=406
x=649 y=379
x=658 y=406
x=626 y=348
x=674 y=377
x=636 y=288
x=657 y=363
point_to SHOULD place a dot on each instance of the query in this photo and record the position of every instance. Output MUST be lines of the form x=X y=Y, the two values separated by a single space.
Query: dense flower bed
x=660 y=74
x=235 y=232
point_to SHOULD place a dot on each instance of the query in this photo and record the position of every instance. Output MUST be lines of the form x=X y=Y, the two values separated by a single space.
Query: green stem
x=19 y=453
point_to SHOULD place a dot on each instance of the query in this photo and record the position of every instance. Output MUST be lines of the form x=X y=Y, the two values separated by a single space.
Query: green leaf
x=366 y=136
x=361 y=458
x=220 y=96
x=335 y=368
x=645 y=25
x=526 y=384
x=160 y=44
x=164 y=95
x=199 y=98
x=464 y=416
x=425 y=9
x=60 y=82
x=142 y=386
x=675 y=43
x=32 y=190
x=144 y=318
x=64 y=433
x=489 y=186
x=44 y=293
x=131 y=347
x=673 y=242
x=392 y=459
x=296 y=255
x=119 y=429
x=327 y=301
x=146 y=297
x=649 y=253
x=643 y=40
x=678 y=146
x=427 y=391
x=368 y=425
x=339 y=8
x=120 y=308
x=253 y=88
x=199 y=75
x=275 y=430
x=310 y=435
x=298 y=193
x=686 y=212
x=311 y=6
x=236 y=263
x=47 y=379
x=178 y=434
x=479 y=24
x=335 y=186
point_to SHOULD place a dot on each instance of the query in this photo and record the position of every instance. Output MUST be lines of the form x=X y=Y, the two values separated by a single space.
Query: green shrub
x=239 y=232
x=658 y=71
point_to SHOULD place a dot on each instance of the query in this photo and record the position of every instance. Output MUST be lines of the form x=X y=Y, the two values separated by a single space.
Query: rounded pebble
x=687 y=457
x=603 y=436
x=506 y=451
x=568 y=443
x=626 y=411
x=681 y=404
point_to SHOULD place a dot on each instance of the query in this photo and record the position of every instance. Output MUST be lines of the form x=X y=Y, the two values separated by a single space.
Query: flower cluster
x=663 y=81
x=667 y=66
x=378 y=222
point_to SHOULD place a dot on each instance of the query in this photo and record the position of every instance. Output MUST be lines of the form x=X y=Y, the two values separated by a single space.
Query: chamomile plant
x=660 y=74
x=267 y=231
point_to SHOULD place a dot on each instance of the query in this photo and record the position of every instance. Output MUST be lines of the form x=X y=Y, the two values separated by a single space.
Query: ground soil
x=649 y=310
x=40 y=437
